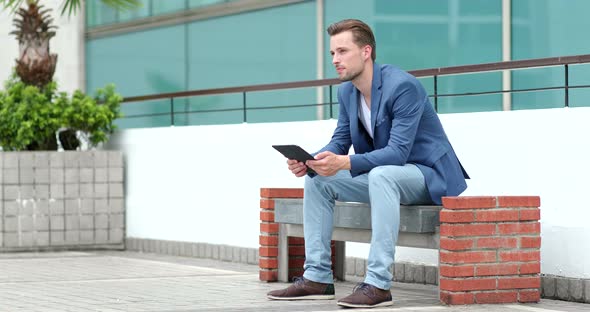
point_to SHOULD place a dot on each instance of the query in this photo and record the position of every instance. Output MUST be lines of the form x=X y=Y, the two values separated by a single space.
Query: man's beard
x=351 y=76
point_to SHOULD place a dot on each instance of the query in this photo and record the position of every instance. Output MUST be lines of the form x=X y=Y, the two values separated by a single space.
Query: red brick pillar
x=269 y=230
x=490 y=249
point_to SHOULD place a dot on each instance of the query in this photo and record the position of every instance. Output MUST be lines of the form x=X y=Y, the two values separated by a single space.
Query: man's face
x=347 y=57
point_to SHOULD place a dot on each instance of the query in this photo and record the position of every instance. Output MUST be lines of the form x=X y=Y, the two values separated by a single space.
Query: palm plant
x=36 y=65
x=31 y=109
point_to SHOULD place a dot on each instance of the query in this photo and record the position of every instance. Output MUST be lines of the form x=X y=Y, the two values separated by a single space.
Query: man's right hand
x=298 y=168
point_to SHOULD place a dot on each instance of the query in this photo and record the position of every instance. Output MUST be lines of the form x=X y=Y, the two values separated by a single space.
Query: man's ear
x=367 y=50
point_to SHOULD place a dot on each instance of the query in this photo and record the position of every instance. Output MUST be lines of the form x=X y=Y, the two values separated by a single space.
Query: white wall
x=201 y=183
x=68 y=44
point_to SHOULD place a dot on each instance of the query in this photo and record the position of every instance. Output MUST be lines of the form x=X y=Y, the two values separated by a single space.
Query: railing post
x=435 y=93
x=567 y=90
x=244 y=104
x=331 y=102
x=172 y=111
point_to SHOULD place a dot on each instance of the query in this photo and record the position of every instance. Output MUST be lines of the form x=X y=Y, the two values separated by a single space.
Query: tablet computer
x=295 y=152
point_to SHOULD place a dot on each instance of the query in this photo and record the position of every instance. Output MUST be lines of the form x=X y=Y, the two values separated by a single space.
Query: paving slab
x=128 y=281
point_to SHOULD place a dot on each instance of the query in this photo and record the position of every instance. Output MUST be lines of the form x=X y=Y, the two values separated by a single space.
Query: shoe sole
x=352 y=305
x=310 y=297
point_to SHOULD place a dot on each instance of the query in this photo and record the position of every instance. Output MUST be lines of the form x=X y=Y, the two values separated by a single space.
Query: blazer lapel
x=353 y=110
x=375 y=95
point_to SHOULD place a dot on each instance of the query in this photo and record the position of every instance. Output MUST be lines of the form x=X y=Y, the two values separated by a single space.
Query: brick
x=42 y=176
x=267 y=216
x=296 y=250
x=272 y=228
x=496 y=215
x=267 y=203
x=519 y=201
x=42 y=191
x=399 y=271
x=72 y=175
x=530 y=242
x=100 y=175
x=519 y=228
x=519 y=282
x=562 y=288
x=41 y=159
x=467 y=229
x=25 y=160
x=529 y=296
x=57 y=191
x=469 y=202
x=576 y=289
x=100 y=159
x=86 y=175
x=268 y=251
x=86 y=159
x=11 y=192
x=548 y=286
x=497 y=242
x=431 y=275
x=72 y=159
x=467 y=284
x=456 y=298
x=530 y=214
x=41 y=239
x=56 y=160
x=521 y=256
x=457 y=271
x=281 y=192
x=116 y=190
x=10 y=176
x=268 y=263
x=101 y=190
x=496 y=269
x=296 y=262
x=115 y=158
x=268 y=240
x=452 y=216
x=295 y=273
x=116 y=205
x=496 y=297
x=115 y=174
x=57 y=223
x=456 y=244
x=27 y=175
x=296 y=240
x=116 y=236
x=467 y=257
x=10 y=159
x=268 y=275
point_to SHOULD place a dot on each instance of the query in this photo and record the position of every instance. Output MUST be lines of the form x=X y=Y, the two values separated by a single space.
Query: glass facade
x=278 y=44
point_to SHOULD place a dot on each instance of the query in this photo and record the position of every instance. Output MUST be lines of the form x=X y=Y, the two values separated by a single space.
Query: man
x=402 y=155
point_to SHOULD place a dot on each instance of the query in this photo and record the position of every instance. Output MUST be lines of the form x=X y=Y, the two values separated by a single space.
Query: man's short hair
x=362 y=34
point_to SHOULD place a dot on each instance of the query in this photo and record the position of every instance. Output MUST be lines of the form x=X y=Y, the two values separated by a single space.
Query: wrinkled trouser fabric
x=384 y=188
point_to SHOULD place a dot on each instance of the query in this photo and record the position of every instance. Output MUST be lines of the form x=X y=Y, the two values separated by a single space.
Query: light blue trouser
x=384 y=187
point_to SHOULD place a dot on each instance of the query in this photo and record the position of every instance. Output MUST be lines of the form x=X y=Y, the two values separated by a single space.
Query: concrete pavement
x=129 y=281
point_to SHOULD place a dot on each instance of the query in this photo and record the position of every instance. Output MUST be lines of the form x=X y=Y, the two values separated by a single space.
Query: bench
x=352 y=223
x=489 y=246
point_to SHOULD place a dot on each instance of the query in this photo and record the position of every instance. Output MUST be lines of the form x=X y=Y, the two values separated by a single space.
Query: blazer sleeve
x=341 y=140
x=406 y=112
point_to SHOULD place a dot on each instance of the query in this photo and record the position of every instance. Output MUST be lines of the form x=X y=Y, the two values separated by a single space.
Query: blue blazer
x=406 y=129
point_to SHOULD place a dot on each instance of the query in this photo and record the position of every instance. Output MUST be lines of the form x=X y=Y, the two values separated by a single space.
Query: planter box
x=61 y=200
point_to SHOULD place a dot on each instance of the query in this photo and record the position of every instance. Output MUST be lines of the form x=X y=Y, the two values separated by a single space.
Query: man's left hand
x=328 y=164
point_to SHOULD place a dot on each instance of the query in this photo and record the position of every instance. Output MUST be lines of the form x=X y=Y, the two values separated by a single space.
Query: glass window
x=167 y=6
x=418 y=34
x=543 y=28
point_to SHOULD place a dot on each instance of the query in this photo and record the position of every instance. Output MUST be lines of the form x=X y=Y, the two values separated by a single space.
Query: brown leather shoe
x=367 y=296
x=303 y=289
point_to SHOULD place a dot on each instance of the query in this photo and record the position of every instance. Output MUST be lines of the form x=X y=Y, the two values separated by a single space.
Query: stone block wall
x=61 y=200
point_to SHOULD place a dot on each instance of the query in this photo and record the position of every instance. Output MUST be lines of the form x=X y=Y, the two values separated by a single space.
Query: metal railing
x=435 y=73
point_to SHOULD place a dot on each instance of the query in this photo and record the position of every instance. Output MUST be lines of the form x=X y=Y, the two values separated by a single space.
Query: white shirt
x=365 y=116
